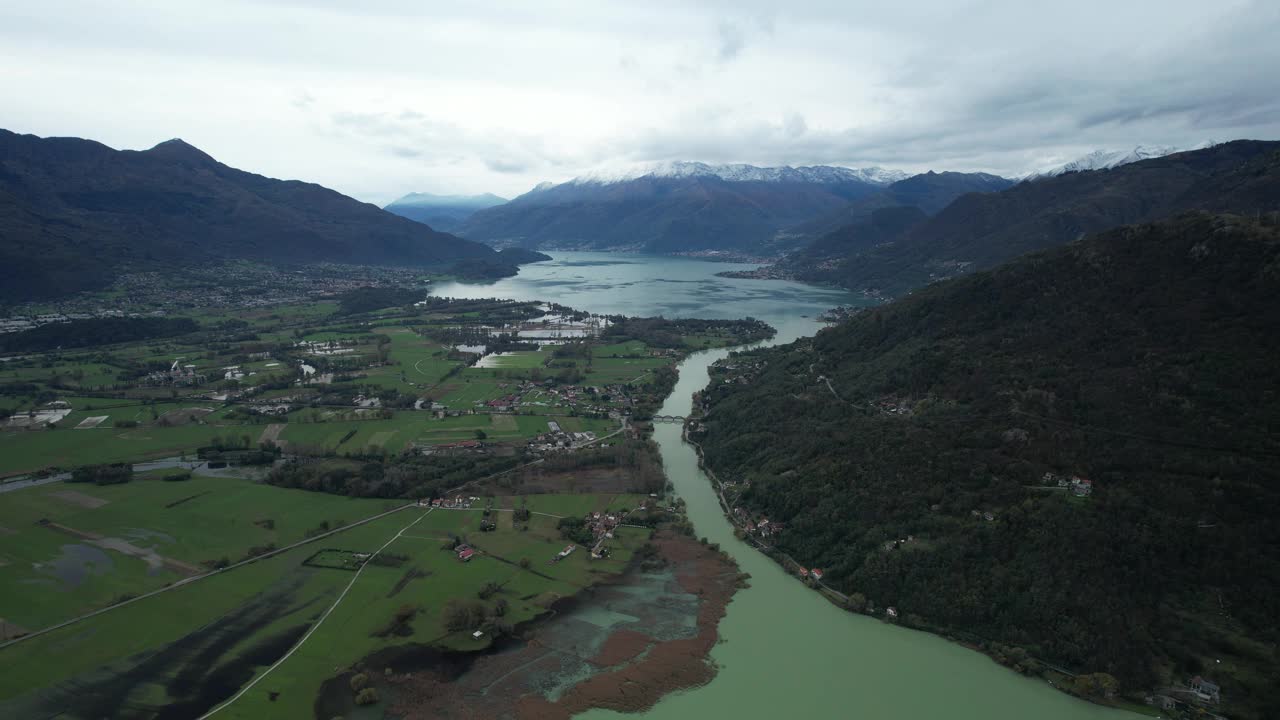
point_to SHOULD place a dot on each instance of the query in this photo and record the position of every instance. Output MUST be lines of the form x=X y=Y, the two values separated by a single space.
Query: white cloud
x=377 y=99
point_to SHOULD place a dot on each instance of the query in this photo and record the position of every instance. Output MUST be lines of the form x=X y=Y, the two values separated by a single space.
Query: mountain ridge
x=75 y=212
x=441 y=212
x=694 y=210
x=981 y=230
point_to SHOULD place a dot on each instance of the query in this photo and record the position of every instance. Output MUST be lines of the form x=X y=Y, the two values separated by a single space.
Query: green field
x=28 y=451
x=276 y=599
x=200 y=519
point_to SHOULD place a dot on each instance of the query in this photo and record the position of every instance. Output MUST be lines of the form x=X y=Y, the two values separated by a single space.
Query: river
x=785 y=651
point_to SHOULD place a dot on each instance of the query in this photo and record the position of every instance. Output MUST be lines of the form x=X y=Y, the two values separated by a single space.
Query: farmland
x=301 y=449
x=268 y=603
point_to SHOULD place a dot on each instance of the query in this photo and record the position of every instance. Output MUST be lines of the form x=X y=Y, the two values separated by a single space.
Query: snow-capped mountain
x=827 y=174
x=1107 y=159
x=675 y=207
x=442 y=212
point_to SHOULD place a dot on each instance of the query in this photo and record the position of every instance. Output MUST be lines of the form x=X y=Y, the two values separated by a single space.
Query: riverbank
x=622 y=646
x=1056 y=677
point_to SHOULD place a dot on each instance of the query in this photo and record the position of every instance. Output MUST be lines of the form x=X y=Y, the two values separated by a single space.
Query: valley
x=329 y=485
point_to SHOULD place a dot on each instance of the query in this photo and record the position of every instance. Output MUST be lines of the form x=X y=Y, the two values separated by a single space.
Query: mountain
x=442 y=212
x=74 y=213
x=750 y=173
x=1107 y=159
x=981 y=230
x=674 y=208
x=1141 y=359
x=929 y=192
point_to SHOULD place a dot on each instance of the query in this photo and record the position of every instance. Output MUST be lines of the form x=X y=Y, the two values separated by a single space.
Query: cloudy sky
x=379 y=98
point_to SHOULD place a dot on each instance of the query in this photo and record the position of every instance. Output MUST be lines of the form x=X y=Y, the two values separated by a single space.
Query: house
x=1082 y=487
x=804 y=572
x=891 y=613
x=466 y=555
x=477 y=634
x=1205 y=689
x=816 y=574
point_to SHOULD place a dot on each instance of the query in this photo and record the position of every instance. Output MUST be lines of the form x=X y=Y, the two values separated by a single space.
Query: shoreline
x=625 y=669
x=840 y=600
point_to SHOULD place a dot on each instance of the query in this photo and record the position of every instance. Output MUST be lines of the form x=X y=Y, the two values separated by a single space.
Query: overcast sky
x=380 y=98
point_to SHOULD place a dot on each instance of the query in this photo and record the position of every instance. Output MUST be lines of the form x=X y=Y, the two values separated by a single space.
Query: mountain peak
x=1107 y=159
x=180 y=150
x=740 y=172
x=424 y=199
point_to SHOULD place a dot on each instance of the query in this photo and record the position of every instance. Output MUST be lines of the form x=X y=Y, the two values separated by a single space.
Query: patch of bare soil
x=9 y=631
x=621 y=647
x=271 y=433
x=80 y=499
x=570 y=665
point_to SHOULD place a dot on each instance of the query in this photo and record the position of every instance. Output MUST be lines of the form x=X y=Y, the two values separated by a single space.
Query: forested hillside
x=927 y=192
x=74 y=213
x=1142 y=359
x=981 y=230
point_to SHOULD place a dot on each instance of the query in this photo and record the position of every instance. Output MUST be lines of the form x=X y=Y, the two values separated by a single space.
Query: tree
x=463 y=614
x=367 y=696
x=359 y=682
x=1098 y=685
x=481 y=435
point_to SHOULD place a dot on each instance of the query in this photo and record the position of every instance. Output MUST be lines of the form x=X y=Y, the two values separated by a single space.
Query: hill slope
x=683 y=207
x=929 y=192
x=442 y=212
x=982 y=230
x=74 y=212
x=1142 y=358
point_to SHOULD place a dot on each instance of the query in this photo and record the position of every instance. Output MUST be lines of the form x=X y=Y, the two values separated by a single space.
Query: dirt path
x=272 y=433
x=315 y=626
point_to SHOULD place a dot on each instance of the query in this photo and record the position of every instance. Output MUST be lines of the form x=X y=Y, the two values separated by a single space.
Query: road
x=318 y=623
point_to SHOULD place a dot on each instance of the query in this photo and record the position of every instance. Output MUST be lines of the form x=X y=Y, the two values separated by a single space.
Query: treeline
x=368 y=299
x=108 y=474
x=1142 y=360
x=407 y=476
x=663 y=333
x=96 y=331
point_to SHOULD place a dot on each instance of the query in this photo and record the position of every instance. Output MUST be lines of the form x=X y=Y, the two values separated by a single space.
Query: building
x=1205 y=689
x=1082 y=487
x=816 y=574
x=466 y=555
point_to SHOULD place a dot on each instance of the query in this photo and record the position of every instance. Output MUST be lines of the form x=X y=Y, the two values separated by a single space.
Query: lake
x=785 y=651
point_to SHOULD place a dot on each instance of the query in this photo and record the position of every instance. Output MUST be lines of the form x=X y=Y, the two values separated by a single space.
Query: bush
x=489 y=589
x=359 y=682
x=367 y=696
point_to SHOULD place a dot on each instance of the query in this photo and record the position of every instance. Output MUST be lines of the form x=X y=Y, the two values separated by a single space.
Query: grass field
x=28 y=451
x=608 y=370
x=227 y=617
x=200 y=519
